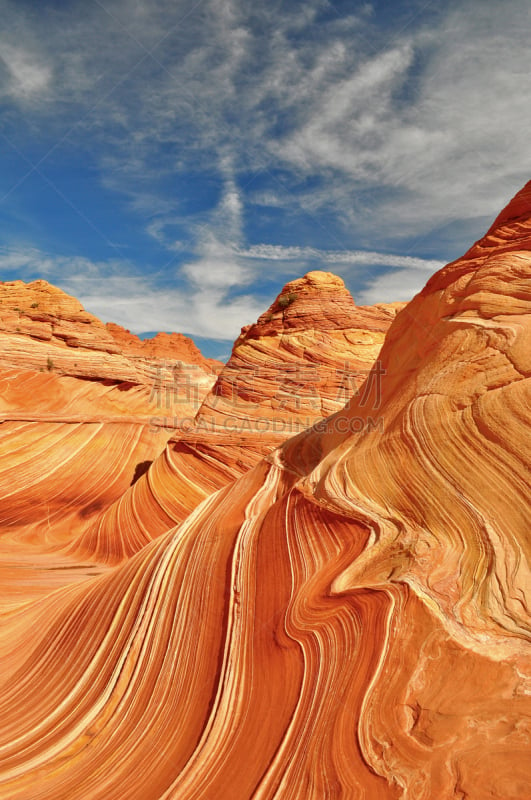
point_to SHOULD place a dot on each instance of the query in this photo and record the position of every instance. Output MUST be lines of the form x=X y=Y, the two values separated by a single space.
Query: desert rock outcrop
x=303 y=358
x=76 y=410
x=349 y=618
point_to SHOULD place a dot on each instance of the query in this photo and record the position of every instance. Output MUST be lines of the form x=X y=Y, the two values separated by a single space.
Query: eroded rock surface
x=76 y=408
x=303 y=358
x=347 y=619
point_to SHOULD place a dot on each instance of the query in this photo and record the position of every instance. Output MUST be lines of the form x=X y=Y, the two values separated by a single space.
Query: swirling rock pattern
x=302 y=359
x=77 y=400
x=348 y=619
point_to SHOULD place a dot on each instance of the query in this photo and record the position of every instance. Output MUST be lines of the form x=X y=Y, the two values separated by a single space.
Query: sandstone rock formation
x=303 y=358
x=45 y=331
x=348 y=619
x=76 y=412
x=169 y=346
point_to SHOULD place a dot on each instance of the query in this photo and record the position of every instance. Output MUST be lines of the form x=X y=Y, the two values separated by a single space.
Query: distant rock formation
x=303 y=358
x=45 y=330
x=171 y=346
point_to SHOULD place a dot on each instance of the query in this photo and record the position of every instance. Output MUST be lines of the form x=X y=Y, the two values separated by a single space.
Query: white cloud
x=140 y=306
x=349 y=111
x=28 y=74
x=387 y=138
x=269 y=252
x=437 y=123
x=216 y=265
x=202 y=304
x=399 y=285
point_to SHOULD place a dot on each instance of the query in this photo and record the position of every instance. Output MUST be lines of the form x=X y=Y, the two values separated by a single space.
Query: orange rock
x=169 y=346
x=301 y=360
x=44 y=330
x=349 y=618
x=76 y=408
x=304 y=357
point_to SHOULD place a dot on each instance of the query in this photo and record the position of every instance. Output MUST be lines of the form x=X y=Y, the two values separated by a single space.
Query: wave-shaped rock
x=349 y=618
x=300 y=361
x=76 y=406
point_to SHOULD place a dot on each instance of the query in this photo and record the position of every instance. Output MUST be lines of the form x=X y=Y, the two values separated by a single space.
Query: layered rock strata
x=77 y=401
x=303 y=358
x=350 y=618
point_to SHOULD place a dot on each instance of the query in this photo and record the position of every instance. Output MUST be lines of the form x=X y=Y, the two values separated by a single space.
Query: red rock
x=76 y=410
x=301 y=360
x=169 y=346
x=349 y=618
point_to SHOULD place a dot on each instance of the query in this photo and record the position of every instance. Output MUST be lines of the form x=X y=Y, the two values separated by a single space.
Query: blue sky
x=173 y=163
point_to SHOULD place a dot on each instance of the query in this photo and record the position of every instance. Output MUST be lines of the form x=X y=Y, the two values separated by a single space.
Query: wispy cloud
x=202 y=301
x=434 y=122
x=267 y=252
x=256 y=86
x=28 y=75
x=327 y=140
